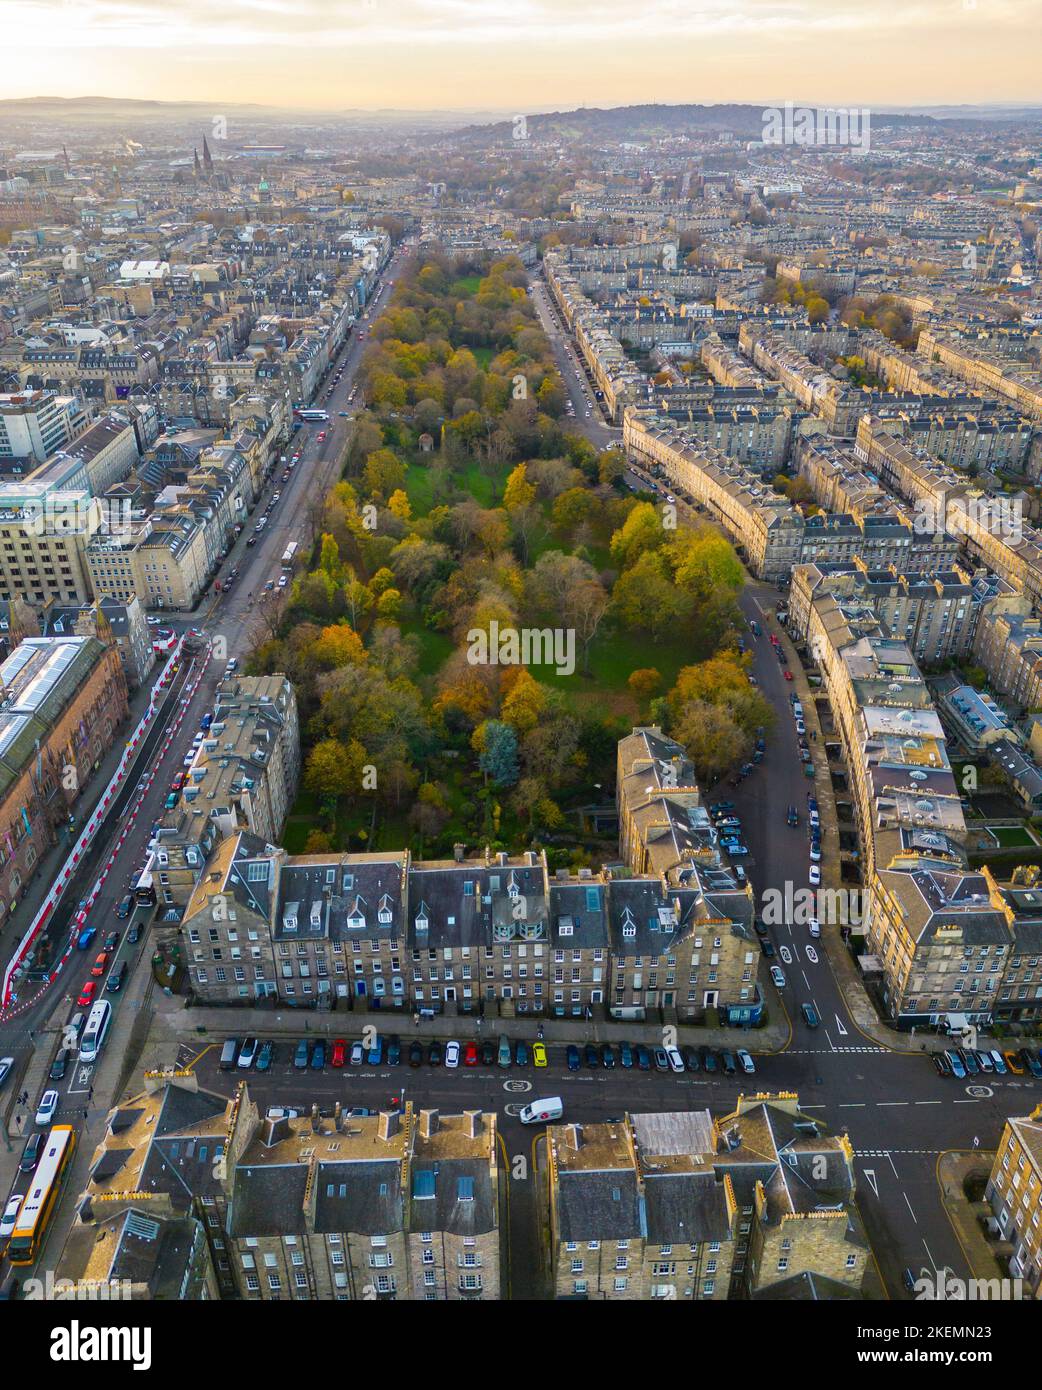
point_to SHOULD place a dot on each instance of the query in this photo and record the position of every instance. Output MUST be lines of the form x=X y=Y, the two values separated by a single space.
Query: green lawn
x=435 y=647
x=466 y=285
x=1012 y=836
x=484 y=357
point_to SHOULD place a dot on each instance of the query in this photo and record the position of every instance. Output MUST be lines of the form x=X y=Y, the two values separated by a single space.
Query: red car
x=339 y=1053
x=100 y=964
x=470 y=1056
x=178 y=782
x=87 y=993
x=787 y=674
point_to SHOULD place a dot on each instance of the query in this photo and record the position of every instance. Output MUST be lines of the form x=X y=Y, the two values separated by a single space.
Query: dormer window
x=421 y=922
x=385 y=916
x=356 y=921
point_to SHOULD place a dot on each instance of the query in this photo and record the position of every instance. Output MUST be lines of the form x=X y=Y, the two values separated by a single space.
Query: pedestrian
x=416 y=1020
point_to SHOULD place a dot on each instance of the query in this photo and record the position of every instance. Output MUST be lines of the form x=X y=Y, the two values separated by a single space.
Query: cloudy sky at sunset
x=524 y=55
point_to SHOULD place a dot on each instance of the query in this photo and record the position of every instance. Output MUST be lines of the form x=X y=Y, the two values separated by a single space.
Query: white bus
x=288 y=555
x=95 y=1032
x=309 y=413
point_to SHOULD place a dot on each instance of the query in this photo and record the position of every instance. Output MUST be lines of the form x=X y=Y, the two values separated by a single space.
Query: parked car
x=415 y=1054
x=488 y=1053
x=394 y=1051
x=266 y=1055
x=300 y=1056
x=745 y=1061
x=643 y=1057
x=998 y=1061
x=318 y=1056
x=673 y=1057
x=1031 y=1061
x=955 y=1062
x=9 y=1220
x=943 y=1066
x=767 y=947
x=985 y=1063
x=810 y=1015
x=728 y=1062
x=661 y=1058
x=1014 y=1063
x=710 y=1062
x=608 y=1058
x=591 y=1057
x=435 y=1054
x=778 y=976
x=572 y=1057
x=521 y=1056
x=969 y=1061
x=375 y=1055
x=539 y=1054
x=357 y=1054
x=59 y=1066
x=48 y=1108
x=31 y=1153
x=248 y=1053
x=470 y=1055
x=338 y=1056
x=814 y=876
x=452 y=1054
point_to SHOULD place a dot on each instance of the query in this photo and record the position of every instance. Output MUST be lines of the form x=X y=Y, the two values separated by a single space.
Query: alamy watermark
x=817 y=127
x=835 y=907
x=944 y=1286
x=526 y=646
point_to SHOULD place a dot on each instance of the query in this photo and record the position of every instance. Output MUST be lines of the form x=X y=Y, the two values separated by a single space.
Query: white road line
x=909 y=1206
x=891 y=1102
x=853 y=1105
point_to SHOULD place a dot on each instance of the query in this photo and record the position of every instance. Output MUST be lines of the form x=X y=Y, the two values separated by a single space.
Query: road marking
x=839 y=1026
x=891 y=1102
x=870 y=1174
x=909 y=1206
x=853 y=1105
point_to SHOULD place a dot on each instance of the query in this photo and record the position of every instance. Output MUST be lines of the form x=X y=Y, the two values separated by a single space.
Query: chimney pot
x=472 y=1120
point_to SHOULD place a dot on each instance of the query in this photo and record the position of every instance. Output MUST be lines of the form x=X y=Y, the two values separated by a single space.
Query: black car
x=125 y=904
x=572 y=1056
x=134 y=934
x=488 y=1054
x=690 y=1056
x=58 y=1066
x=318 y=1056
x=660 y=1058
x=394 y=1051
x=521 y=1053
x=117 y=978
x=708 y=1057
x=730 y=1065
x=969 y=1061
x=643 y=1057
x=415 y=1054
x=31 y=1153
x=607 y=1055
x=760 y=927
x=112 y=941
x=435 y=1054
x=591 y=1057
x=940 y=1061
x=767 y=947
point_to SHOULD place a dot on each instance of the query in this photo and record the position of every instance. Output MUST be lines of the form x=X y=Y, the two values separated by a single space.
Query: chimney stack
x=316 y=1122
x=428 y=1123
x=502 y=857
x=576 y=1134
x=390 y=1122
x=338 y=1118
x=472 y=1123
x=457 y=852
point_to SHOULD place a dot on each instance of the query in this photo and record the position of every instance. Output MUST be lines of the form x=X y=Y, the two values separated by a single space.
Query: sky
x=524 y=55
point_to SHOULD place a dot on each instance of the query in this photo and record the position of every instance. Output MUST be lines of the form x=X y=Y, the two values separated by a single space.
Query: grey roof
x=685 y=1208
x=462 y=1201
x=268 y=1199
x=599 y=1204
x=361 y=1197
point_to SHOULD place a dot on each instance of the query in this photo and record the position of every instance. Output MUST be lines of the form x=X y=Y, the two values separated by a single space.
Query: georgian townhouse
x=316 y=1208
x=478 y=933
x=453 y=1208
x=228 y=946
x=338 y=930
x=580 y=963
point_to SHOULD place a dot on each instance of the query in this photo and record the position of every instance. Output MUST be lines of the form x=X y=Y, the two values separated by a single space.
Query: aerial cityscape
x=520 y=662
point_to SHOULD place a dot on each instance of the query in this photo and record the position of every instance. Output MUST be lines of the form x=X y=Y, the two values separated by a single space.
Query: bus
x=42 y=1197
x=288 y=555
x=96 y=1030
x=307 y=414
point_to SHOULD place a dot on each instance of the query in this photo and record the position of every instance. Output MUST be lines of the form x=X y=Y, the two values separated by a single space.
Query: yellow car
x=1014 y=1063
x=539 y=1054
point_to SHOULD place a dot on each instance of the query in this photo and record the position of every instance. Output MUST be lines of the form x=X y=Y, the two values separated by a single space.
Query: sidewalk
x=953 y=1169
x=178 y=1024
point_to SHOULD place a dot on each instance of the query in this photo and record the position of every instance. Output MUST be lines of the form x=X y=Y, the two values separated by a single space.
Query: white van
x=541 y=1112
